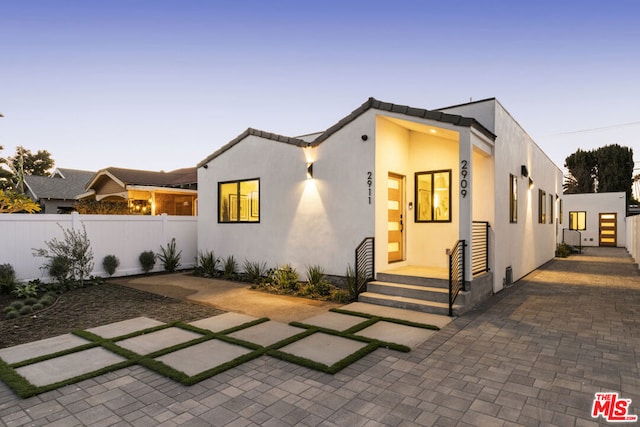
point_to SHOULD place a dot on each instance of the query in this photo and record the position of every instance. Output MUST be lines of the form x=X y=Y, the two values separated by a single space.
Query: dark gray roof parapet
x=439 y=116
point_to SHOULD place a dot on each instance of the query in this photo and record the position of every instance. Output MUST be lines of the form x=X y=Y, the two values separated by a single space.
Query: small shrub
x=350 y=277
x=229 y=267
x=7 y=278
x=170 y=256
x=17 y=305
x=37 y=307
x=147 y=261
x=46 y=300
x=207 y=264
x=317 y=282
x=25 y=310
x=285 y=279
x=110 y=264
x=8 y=309
x=12 y=314
x=341 y=296
x=26 y=290
x=30 y=301
x=60 y=269
x=255 y=271
x=563 y=250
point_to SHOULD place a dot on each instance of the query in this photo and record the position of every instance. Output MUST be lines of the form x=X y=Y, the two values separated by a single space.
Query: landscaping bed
x=95 y=305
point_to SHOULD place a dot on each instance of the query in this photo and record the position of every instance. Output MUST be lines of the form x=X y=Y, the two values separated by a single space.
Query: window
x=550 y=208
x=239 y=201
x=513 y=199
x=433 y=196
x=542 y=207
x=560 y=210
x=577 y=220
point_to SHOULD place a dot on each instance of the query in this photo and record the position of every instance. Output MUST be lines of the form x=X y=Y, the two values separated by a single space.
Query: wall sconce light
x=364 y=137
x=205 y=166
x=530 y=183
x=310 y=170
x=524 y=171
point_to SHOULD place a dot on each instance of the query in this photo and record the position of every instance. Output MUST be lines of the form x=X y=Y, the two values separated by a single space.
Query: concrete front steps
x=424 y=294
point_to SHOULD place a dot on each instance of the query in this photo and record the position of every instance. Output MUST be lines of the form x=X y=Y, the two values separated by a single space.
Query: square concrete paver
x=397 y=334
x=71 y=365
x=125 y=327
x=267 y=333
x=30 y=350
x=399 y=313
x=335 y=321
x=164 y=338
x=223 y=322
x=201 y=357
x=323 y=348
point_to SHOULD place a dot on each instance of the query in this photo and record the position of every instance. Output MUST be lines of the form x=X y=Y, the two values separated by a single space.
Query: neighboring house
x=146 y=192
x=57 y=193
x=594 y=219
x=416 y=181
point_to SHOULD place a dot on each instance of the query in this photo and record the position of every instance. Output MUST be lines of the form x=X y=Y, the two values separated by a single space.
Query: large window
x=542 y=207
x=433 y=196
x=513 y=199
x=577 y=220
x=239 y=201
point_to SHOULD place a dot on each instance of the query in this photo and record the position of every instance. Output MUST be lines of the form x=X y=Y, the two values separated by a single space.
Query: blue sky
x=160 y=84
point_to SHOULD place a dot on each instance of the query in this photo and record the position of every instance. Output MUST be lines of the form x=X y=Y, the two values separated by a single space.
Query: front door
x=395 y=221
x=608 y=229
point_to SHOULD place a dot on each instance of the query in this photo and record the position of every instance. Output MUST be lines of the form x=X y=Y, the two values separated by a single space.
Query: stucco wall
x=594 y=204
x=302 y=222
x=524 y=245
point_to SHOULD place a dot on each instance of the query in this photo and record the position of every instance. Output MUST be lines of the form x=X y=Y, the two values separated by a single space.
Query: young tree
x=14 y=168
x=582 y=168
x=12 y=203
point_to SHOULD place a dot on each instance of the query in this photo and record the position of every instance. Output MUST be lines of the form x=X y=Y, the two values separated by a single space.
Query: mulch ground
x=93 y=306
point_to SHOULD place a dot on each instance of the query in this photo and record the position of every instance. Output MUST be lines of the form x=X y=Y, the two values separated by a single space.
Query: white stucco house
x=594 y=219
x=408 y=182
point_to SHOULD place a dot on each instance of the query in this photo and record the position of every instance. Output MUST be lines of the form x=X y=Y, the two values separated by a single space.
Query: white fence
x=633 y=236
x=125 y=236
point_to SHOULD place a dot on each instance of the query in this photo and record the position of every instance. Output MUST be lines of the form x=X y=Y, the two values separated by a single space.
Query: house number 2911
x=464 y=172
x=369 y=183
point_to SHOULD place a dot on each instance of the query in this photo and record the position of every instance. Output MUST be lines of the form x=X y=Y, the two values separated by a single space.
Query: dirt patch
x=97 y=305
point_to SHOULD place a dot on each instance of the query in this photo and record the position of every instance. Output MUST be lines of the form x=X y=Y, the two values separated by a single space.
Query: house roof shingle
x=436 y=115
x=64 y=184
x=176 y=178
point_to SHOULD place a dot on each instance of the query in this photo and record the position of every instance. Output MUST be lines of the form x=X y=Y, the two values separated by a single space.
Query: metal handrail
x=579 y=245
x=456 y=272
x=365 y=264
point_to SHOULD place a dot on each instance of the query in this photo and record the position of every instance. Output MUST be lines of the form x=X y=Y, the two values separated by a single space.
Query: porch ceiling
x=427 y=129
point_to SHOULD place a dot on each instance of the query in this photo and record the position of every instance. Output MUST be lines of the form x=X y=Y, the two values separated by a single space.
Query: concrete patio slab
x=398 y=313
x=30 y=350
x=223 y=321
x=398 y=334
x=323 y=348
x=267 y=333
x=125 y=327
x=335 y=321
x=165 y=338
x=204 y=356
x=71 y=365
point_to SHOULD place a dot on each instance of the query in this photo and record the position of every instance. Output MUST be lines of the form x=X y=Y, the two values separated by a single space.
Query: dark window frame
x=433 y=207
x=542 y=206
x=513 y=199
x=238 y=182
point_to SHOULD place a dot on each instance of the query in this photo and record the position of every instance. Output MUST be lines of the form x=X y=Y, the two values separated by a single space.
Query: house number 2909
x=464 y=172
x=369 y=184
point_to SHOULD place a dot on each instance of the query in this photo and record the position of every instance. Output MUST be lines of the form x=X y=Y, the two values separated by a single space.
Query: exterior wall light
x=310 y=170
x=524 y=171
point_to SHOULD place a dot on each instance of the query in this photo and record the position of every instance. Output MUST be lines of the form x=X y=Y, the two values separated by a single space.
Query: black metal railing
x=365 y=264
x=456 y=272
x=575 y=238
x=479 y=247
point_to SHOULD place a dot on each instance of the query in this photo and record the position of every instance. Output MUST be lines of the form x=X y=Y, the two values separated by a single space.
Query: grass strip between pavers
x=386 y=319
x=23 y=388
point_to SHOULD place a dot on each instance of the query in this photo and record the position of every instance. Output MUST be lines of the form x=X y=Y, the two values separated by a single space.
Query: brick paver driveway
x=534 y=355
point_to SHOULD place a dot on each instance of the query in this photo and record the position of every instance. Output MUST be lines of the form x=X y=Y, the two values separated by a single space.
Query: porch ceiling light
x=310 y=170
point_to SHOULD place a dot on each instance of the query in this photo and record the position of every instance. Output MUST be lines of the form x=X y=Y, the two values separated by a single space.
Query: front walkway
x=534 y=354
